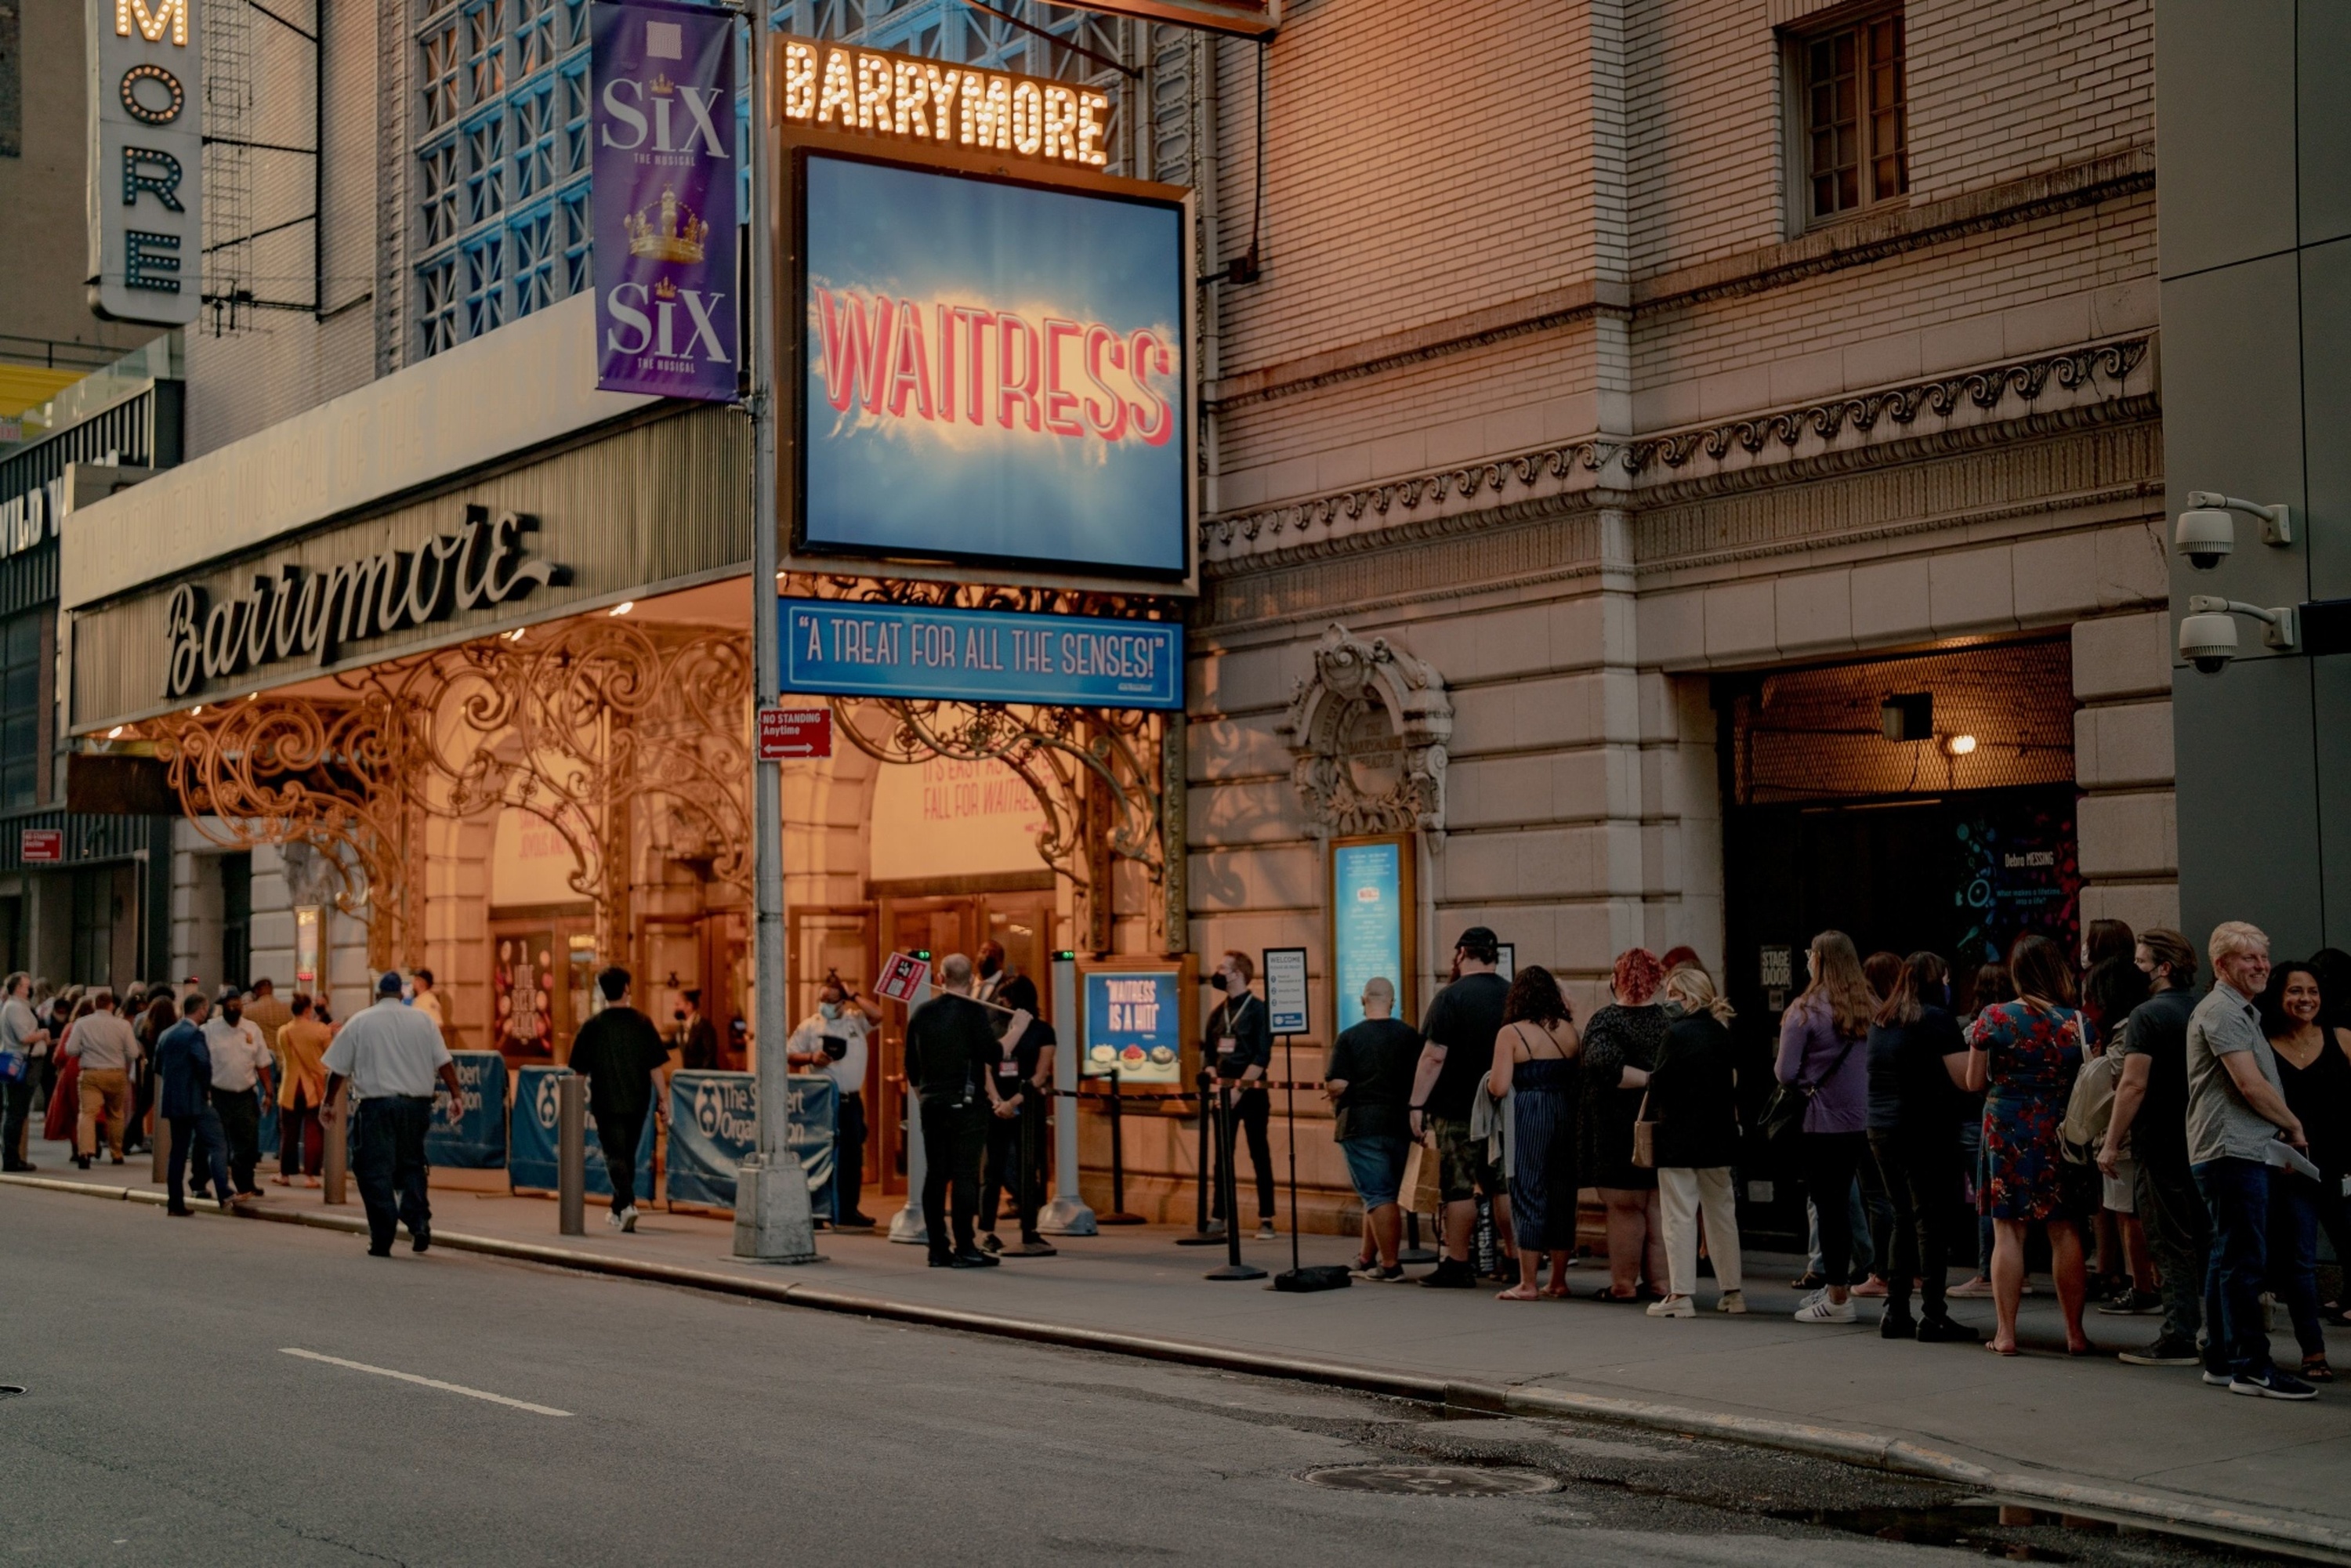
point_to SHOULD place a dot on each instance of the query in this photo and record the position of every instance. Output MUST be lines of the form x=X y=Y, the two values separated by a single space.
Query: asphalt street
x=207 y=1391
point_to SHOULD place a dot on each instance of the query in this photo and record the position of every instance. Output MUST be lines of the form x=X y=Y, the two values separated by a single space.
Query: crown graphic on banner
x=661 y=86
x=664 y=290
x=675 y=235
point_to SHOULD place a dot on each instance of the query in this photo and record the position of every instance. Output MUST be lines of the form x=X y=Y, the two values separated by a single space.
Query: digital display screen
x=990 y=371
x=1367 y=917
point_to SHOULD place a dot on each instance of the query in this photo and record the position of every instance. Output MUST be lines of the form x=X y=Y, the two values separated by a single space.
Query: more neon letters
x=943 y=363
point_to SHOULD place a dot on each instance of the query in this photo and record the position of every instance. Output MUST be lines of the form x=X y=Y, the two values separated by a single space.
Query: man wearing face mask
x=1000 y=983
x=697 y=1038
x=1240 y=1040
x=241 y=1063
x=840 y=1024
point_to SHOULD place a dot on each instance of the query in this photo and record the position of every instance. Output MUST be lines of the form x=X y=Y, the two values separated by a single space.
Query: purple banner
x=664 y=200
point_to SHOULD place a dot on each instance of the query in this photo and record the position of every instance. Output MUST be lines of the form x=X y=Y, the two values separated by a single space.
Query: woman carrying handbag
x=1820 y=1063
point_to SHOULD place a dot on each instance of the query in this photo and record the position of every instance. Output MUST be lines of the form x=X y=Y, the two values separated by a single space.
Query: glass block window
x=501 y=223
x=20 y=708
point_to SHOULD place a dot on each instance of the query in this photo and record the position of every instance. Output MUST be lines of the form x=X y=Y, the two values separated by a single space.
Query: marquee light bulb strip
x=898 y=96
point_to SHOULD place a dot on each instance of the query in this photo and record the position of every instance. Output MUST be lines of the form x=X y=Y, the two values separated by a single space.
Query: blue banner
x=845 y=648
x=1367 y=916
x=530 y=1148
x=478 y=1139
x=714 y=1125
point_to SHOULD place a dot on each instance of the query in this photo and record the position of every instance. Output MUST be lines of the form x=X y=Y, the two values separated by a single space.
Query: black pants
x=952 y=1138
x=2178 y=1239
x=240 y=1120
x=300 y=1140
x=1829 y=1162
x=1015 y=1167
x=849 y=1158
x=194 y=1137
x=619 y=1132
x=1920 y=1167
x=16 y=1105
x=1251 y=1109
x=388 y=1162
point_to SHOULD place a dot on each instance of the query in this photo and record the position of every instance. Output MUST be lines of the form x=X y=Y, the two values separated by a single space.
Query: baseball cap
x=389 y=986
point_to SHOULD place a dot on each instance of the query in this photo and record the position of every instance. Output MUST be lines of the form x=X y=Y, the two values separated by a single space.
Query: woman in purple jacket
x=1821 y=1035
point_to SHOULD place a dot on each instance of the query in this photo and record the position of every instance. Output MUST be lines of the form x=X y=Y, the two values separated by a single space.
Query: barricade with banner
x=530 y=1142
x=478 y=1139
x=714 y=1125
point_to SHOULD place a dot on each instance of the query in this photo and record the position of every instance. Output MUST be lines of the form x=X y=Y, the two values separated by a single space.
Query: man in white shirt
x=241 y=1064
x=840 y=1020
x=424 y=999
x=390 y=1053
x=106 y=1048
x=23 y=1040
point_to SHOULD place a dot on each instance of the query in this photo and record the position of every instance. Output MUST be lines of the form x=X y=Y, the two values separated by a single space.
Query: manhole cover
x=1432 y=1481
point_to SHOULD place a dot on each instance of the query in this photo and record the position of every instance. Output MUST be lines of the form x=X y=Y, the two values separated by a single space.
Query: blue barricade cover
x=530 y=1144
x=478 y=1140
x=714 y=1126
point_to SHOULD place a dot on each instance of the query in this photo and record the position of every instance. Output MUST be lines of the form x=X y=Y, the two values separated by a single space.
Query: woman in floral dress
x=2026 y=1054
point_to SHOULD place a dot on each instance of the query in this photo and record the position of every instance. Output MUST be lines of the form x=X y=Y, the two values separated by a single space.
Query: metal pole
x=335 y=1168
x=1067 y=1215
x=1118 y=1213
x=1202 y=1233
x=571 y=1155
x=160 y=1144
x=906 y=1226
x=1290 y=1116
x=1234 y=1269
x=773 y=1220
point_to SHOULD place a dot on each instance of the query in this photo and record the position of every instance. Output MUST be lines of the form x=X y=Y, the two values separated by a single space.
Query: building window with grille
x=1852 y=118
x=501 y=222
x=20 y=710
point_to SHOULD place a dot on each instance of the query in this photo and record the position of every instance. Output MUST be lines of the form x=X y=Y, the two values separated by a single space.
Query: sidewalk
x=2183 y=1450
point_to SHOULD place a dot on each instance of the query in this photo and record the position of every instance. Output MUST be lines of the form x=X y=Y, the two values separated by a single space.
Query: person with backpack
x=2026 y=1055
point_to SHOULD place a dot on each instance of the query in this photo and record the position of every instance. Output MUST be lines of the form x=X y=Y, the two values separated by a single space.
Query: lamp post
x=773 y=1222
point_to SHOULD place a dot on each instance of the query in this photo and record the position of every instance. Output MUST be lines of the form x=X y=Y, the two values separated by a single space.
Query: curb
x=1895 y=1454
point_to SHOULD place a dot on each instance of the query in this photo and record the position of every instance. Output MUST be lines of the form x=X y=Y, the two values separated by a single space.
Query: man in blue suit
x=183 y=1097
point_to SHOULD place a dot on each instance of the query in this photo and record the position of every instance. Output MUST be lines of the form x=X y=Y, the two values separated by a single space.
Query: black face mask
x=989 y=968
x=679 y=1015
x=1217 y=981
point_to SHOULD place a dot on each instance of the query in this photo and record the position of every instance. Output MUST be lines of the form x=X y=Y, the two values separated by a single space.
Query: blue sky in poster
x=1366 y=923
x=916 y=280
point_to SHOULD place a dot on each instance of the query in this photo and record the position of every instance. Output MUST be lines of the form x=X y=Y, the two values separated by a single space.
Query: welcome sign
x=993 y=372
x=664 y=78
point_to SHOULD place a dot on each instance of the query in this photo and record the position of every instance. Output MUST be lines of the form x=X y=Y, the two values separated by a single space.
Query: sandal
x=1519 y=1292
x=2316 y=1370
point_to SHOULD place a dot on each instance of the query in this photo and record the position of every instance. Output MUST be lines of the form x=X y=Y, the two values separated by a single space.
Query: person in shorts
x=1458 y=1047
x=1368 y=1080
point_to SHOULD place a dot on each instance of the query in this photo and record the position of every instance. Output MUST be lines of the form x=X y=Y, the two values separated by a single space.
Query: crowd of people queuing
x=2194 y=1145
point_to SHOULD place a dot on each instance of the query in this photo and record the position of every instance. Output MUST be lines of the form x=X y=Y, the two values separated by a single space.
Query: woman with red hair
x=1620 y=1046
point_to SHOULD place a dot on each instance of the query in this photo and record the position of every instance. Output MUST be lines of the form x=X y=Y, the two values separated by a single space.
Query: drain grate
x=1432 y=1481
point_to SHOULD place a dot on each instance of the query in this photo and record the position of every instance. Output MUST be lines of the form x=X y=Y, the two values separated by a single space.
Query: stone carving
x=1367 y=738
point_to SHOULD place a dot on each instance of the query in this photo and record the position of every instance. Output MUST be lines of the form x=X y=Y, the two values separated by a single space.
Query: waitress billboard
x=992 y=371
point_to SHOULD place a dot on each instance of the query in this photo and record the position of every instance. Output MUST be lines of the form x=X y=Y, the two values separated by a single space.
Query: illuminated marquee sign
x=897 y=98
x=146 y=173
x=1250 y=18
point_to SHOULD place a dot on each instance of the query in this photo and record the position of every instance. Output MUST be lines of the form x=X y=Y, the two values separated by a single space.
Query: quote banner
x=664 y=197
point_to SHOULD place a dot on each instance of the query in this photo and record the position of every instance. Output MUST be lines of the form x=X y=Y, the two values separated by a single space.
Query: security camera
x=2208 y=642
x=2205 y=537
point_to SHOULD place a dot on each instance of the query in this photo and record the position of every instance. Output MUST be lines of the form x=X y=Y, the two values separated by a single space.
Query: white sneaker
x=1825 y=1311
x=1733 y=1302
x=1674 y=1307
x=1265 y=1230
x=613 y=1220
x=624 y=1220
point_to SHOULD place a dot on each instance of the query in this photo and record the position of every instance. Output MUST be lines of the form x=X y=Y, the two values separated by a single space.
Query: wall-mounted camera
x=2208 y=635
x=2206 y=534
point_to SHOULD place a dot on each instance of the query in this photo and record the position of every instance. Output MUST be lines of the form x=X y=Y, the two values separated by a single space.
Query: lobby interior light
x=1959 y=744
x=114 y=734
x=624 y=607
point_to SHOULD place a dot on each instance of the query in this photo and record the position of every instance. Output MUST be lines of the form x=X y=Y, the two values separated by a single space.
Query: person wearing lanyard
x=1240 y=1041
x=390 y=1053
x=1019 y=1084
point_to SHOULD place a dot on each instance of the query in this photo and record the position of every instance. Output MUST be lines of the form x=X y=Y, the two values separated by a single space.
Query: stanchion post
x=1290 y=1116
x=1118 y=1213
x=1234 y=1269
x=1025 y=1193
x=335 y=1166
x=571 y=1155
x=1202 y=1233
x=1067 y=1215
x=907 y=1225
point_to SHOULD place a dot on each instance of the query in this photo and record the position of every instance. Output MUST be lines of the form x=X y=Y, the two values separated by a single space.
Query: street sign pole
x=773 y=1220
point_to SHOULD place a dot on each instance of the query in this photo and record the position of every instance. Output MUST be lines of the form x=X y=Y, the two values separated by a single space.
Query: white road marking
x=427 y=1381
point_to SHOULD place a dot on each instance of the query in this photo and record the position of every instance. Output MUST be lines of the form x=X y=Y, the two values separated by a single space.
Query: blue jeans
x=388 y=1162
x=196 y=1137
x=1971 y=1151
x=2294 y=1258
x=2238 y=1194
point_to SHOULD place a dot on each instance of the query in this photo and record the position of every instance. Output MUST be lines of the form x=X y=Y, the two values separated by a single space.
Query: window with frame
x=20 y=710
x=1854 y=115
x=501 y=221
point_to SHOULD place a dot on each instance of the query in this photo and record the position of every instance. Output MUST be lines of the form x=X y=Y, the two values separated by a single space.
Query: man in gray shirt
x=390 y=1053
x=2236 y=1113
x=106 y=1048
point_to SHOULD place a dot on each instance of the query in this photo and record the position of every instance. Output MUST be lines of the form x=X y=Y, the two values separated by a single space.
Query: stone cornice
x=1870 y=238
x=1605 y=471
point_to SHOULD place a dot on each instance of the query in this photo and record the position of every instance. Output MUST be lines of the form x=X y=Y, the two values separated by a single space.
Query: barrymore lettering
x=934 y=646
x=314 y=614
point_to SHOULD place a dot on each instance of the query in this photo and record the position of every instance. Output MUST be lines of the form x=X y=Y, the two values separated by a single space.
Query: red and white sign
x=902 y=976
x=791 y=734
x=41 y=846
